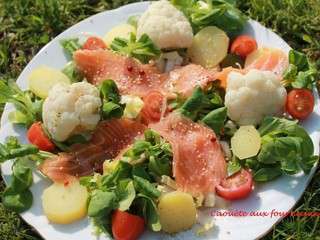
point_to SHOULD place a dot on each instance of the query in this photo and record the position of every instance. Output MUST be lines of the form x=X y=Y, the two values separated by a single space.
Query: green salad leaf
x=111 y=107
x=150 y=212
x=233 y=166
x=300 y=73
x=102 y=203
x=215 y=119
x=28 y=106
x=12 y=149
x=122 y=171
x=70 y=45
x=126 y=194
x=17 y=196
x=220 y=13
x=71 y=71
x=267 y=174
x=17 y=201
x=286 y=149
x=206 y=107
x=142 y=49
x=145 y=187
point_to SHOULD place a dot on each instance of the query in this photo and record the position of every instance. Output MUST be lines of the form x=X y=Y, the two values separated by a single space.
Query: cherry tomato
x=37 y=137
x=126 y=226
x=237 y=186
x=243 y=46
x=154 y=106
x=94 y=43
x=300 y=103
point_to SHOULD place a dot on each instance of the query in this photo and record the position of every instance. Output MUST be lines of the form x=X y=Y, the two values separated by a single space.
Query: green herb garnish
x=28 y=106
x=142 y=49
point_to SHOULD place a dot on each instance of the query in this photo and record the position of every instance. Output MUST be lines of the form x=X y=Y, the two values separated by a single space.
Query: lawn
x=27 y=25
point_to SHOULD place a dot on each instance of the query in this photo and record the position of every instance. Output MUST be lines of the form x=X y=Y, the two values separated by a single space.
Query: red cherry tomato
x=243 y=46
x=37 y=137
x=94 y=43
x=237 y=186
x=126 y=226
x=300 y=103
x=154 y=106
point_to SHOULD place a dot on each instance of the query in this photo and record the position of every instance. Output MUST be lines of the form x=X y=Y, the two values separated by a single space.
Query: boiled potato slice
x=209 y=47
x=43 y=78
x=122 y=31
x=65 y=204
x=177 y=212
x=246 y=142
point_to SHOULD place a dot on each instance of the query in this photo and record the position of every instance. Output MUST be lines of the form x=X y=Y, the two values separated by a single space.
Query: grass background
x=27 y=25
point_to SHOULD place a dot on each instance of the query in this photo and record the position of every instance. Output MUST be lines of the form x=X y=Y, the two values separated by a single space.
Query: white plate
x=281 y=194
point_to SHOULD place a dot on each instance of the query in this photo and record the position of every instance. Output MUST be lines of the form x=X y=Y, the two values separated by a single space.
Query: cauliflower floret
x=70 y=109
x=169 y=61
x=166 y=26
x=251 y=97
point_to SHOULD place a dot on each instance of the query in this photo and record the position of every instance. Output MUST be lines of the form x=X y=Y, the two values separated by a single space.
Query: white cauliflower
x=71 y=109
x=166 y=26
x=251 y=97
x=169 y=61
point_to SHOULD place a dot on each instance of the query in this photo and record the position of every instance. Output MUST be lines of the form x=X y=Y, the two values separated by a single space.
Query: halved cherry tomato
x=94 y=43
x=154 y=106
x=243 y=46
x=37 y=137
x=126 y=226
x=300 y=103
x=237 y=186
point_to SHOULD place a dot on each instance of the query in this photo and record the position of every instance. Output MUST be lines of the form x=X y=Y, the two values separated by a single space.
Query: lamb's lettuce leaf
x=220 y=13
x=301 y=73
x=286 y=148
x=111 y=107
x=206 y=107
x=71 y=71
x=70 y=46
x=142 y=49
x=28 y=106
x=150 y=212
x=215 y=119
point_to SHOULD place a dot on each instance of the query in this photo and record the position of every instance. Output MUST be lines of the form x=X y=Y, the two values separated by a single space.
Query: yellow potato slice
x=65 y=204
x=246 y=142
x=122 y=31
x=177 y=212
x=209 y=47
x=43 y=78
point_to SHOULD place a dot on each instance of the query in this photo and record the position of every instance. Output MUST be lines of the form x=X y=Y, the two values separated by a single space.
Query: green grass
x=27 y=25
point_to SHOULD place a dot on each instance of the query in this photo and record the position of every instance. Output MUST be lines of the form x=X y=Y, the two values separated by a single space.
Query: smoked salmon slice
x=268 y=59
x=198 y=160
x=183 y=80
x=139 y=79
x=130 y=76
x=108 y=140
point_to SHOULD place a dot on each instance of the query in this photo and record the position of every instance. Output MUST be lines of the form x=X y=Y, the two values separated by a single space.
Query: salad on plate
x=170 y=113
